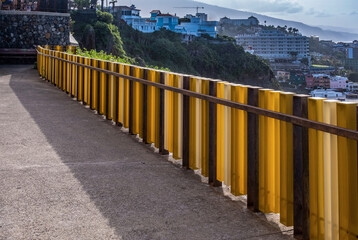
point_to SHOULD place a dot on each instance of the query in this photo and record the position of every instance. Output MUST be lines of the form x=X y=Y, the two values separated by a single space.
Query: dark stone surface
x=26 y=30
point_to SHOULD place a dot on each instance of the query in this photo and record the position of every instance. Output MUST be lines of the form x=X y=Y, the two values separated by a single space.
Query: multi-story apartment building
x=352 y=53
x=318 y=80
x=338 y=82
x=251 y=21
x=274 y=44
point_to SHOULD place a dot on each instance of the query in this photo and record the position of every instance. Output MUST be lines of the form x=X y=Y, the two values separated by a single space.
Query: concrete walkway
x=65 y=173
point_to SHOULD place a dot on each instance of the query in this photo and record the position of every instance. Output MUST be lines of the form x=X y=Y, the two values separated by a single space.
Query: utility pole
x=113 y=2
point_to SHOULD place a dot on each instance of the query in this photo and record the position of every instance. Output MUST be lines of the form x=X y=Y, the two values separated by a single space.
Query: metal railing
x=280 y=149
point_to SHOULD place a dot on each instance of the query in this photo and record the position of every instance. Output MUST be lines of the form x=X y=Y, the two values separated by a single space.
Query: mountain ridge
x=216 y=12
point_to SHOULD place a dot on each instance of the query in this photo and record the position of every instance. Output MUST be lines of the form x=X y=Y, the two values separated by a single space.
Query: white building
x=352 y=86
x=131 y=15
x=274 y=44
x=329 y=93
x=338 y=82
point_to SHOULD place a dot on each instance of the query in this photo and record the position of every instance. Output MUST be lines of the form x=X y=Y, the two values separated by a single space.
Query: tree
x=81 y=4
x=104 y=17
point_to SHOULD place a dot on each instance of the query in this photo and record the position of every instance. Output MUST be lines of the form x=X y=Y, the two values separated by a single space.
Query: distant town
x=297 y=61
x=303 y=64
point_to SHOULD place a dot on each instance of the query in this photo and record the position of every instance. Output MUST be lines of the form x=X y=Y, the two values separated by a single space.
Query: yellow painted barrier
x=330 y=153
x=178 y=118
x=138 y=102
x=68 y=72
x=58 y=65
x=169 y=114
x=269 y=153
x=224 y=135
x=194 y=128
x=111 y=91
x=286 y=161
x=153 y=111
x=47 y=63
x=64 y=72
x=333 y=170
x=347 y=173
x=74 y=77
x=220 y=134
x=120 y=103
x=126 y=71
x=94 y=86
x=316 y=172
x=81 y=80
x=86 y=81
x=239 y=142
x=50 y=69
x=204 y=125
x=103 y=85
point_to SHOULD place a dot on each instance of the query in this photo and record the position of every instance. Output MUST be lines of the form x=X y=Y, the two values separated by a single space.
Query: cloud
x=317 y=13
x=262 y=6
x=354 y=13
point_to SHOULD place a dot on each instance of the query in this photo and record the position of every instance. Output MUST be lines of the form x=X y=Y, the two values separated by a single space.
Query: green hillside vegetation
x=219 y=59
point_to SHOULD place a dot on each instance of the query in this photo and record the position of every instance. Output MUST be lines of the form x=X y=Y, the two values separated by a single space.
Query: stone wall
x=26 y=29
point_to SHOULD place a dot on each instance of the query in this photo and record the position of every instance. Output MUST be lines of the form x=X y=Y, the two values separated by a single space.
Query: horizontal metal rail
x=304 y=122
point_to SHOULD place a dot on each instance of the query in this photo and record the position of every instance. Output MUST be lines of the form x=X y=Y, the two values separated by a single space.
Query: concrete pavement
x=65 y=173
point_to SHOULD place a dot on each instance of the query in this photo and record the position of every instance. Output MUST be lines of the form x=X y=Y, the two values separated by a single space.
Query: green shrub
x=104 y=17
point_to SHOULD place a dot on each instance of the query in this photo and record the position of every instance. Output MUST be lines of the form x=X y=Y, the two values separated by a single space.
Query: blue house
x=167 y=21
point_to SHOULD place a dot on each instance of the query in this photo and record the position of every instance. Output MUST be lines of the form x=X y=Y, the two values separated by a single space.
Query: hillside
x=219 y=59
x=216 y=12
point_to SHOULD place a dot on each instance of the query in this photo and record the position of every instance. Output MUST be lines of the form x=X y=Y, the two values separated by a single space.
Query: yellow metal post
x=153 y=120
x=269 y=154
x=194 y=128
x=121 y=95
x=64 y=72
x=126 y=97
x=80 y=81
x=347 y=173
x=111 y=91
x=74 y=77
x=103 y=85
x=204 y=130
x=178 y=118
x=138 y=102
x=330 y=151
x=94 y=86
x=316 y=172
x=224 y=135
x=220 y=133
x=286 y=161
x=239 y=142
x=86 y=82
x=169 y=114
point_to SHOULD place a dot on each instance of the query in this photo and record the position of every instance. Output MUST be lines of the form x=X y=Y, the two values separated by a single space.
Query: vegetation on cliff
x=220 y=59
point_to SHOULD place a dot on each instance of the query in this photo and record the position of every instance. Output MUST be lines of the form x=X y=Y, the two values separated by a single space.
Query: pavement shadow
x=140 y=194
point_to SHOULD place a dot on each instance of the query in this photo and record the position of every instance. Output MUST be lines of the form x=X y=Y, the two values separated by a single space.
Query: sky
x=342 y=14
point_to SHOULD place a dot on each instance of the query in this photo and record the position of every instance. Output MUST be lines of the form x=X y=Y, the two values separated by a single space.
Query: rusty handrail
x=303 y=122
